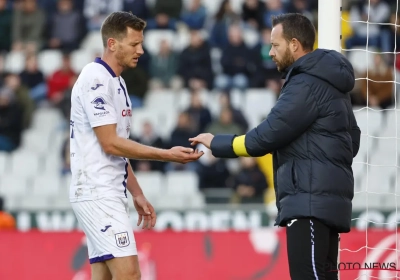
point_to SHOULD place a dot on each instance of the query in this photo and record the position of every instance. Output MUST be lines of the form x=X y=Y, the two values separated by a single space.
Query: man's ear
x=295 y=45
x=112 y=44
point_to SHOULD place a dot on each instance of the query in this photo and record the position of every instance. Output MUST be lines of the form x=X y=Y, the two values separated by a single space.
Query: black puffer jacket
x=313 y=135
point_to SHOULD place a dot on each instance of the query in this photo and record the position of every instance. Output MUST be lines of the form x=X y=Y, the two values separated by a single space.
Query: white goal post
x=329 y=35
x=330 y=24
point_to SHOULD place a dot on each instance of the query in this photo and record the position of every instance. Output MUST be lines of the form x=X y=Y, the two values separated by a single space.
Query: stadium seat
x=171 y=201
x=35 y=141
x=151 y=182
x=182 y=40
x=360 y=58
x=81 y=57
x=153 y=38
x=212 y=6
x=142 y=115
x=385 y=152
x=13 y=186
x=236 y=5
x=47 y=119
x=36 y=203
x=216 y=55
x=52 y=163
x=390 y=123
x=161 y=100
x=92 y=42
x=46 y=185
x=258 y=104
x=49 y=61
x=251 y=37
x=237 y=100
x=380 y=179
x=167 y=124
x=14 y=62
x=370 y=121
x=4 y=158
x=25 y=163
x=364 y=200
x=182 y=182
x=358 y=173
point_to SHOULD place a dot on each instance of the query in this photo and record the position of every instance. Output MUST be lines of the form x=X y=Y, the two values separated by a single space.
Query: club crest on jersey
x=99 y=103
x=122 y=239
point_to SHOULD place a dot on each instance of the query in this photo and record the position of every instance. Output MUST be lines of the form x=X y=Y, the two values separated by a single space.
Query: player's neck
x=113 y=64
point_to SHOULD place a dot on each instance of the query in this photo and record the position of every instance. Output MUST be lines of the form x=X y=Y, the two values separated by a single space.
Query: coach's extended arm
x=295 y=111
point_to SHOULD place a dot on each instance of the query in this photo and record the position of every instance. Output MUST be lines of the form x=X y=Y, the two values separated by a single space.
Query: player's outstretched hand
x=184 y=155
x=145 y=211
x=204 y=138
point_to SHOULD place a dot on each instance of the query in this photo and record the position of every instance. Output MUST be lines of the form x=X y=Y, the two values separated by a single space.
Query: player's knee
x=131 y=275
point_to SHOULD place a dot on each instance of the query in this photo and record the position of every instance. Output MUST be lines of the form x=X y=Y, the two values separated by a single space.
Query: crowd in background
x=35 y=25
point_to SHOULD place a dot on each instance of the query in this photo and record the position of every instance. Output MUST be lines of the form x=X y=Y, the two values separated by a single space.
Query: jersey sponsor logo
x=127 y=113
x=99 y=103
x=97 y=86
x=122 y=239
x=105 y=229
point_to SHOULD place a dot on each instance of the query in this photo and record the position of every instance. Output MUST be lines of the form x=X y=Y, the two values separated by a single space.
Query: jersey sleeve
x=98 y=104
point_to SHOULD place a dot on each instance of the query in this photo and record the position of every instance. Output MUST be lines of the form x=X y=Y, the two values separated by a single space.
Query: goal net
x=365 y=31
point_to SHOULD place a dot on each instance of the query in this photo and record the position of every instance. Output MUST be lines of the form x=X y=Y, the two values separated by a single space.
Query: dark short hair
x=116 y=24
x=296 y=26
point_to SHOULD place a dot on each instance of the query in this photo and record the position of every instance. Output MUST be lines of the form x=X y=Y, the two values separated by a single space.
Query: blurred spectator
x=65 y=104
x=166 y=14
x=180 y=137
x=250 y=182
x=235 y=62
x=66 y=27
x=28 y=26
x=11 y=117
x=6 y=16
x=33 y=79
x=237 y=115
x=163 y=68
x=148 y=137
x=182 y=132
x=7 y=221
x=194 y=16
x=96 y=11
x=195 y=63
x=199 y=114
x=379 y=86
x=272 y=8
x=253 y=13
x=265 y=67
x=212 y=172
x=300 y=7
x=13 y=82
x=225 y=124
x=138 y=8
x=373 y=11
x=59 y=81
x=223 y=19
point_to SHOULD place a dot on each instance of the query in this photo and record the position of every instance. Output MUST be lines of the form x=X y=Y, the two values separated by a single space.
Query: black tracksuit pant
x=312 y=249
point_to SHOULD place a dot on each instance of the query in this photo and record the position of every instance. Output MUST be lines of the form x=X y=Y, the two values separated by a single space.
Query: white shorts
x=107 y=227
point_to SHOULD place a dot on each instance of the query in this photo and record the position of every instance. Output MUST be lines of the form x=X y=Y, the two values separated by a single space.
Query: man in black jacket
x=313 y=135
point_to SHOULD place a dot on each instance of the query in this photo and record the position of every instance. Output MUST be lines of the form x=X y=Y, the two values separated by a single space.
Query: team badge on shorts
x=122 y=239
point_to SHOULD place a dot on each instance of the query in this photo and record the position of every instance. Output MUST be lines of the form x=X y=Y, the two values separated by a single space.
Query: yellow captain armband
x=239 y=146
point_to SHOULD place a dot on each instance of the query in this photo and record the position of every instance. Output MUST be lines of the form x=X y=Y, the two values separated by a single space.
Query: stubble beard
x=285 y=62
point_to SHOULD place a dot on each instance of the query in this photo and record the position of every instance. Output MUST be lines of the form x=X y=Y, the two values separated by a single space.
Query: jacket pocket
x=287 y=180
x=294 y=177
